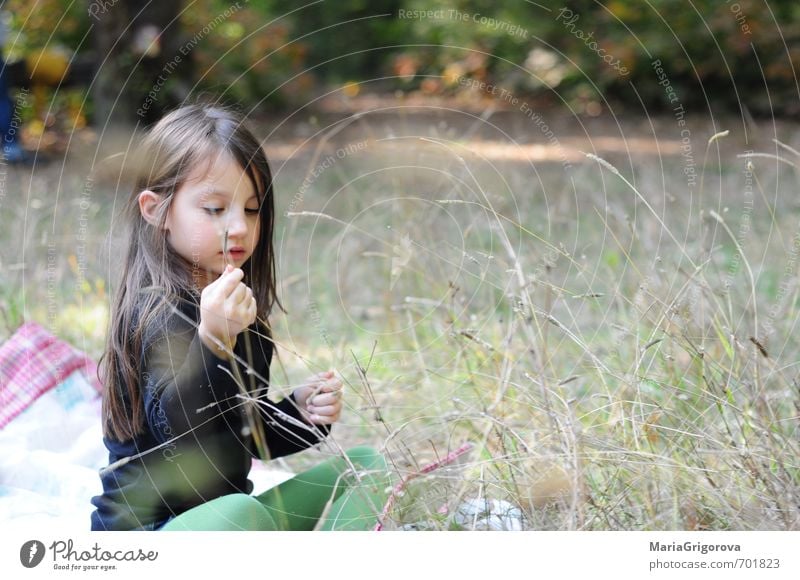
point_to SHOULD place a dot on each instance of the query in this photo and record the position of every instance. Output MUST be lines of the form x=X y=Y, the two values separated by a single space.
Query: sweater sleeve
x=188 y=387
x=286 y=436
x=185 y=385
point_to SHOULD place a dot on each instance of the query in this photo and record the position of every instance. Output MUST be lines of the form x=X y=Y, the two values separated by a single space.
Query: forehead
x=219 y=175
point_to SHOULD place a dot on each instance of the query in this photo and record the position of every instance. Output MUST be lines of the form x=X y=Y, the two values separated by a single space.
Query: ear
x=148 y=206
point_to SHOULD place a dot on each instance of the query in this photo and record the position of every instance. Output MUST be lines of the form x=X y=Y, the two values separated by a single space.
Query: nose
x=236 y=223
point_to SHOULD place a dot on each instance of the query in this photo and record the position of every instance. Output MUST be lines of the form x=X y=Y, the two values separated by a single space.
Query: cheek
x=200 y=233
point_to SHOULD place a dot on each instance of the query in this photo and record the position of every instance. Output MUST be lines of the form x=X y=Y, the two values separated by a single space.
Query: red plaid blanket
x=32 y=362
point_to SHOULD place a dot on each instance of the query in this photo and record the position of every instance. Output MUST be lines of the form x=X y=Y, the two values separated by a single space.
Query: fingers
x=326 y=381
x=325 y=409
x=252 y=310
x=228 y=268
x=325 y=415
x=325 y=402
x=235 y=292
x=325 y=399
x=324 y=420
x=229 y=281
x=228 y=304
x=240 y=293
x=320 y=381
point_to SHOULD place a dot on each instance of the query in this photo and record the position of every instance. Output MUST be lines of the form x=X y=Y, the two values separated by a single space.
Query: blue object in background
x=12 y=152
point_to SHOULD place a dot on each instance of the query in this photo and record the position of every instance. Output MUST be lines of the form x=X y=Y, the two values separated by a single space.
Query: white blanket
x=50 y=456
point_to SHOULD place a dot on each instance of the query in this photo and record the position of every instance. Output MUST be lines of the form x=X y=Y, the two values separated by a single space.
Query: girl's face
x=216 y=197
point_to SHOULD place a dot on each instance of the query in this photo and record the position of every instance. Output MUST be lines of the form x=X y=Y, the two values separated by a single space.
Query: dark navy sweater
x=193 y=412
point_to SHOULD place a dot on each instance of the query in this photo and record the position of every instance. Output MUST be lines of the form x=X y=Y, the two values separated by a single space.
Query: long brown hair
x=165 y=158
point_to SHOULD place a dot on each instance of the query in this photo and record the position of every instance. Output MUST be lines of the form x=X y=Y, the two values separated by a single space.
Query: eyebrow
x=220 y=193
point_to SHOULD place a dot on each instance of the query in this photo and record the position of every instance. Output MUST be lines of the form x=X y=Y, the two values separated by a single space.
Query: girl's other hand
x=319 y=398
x=227 y=307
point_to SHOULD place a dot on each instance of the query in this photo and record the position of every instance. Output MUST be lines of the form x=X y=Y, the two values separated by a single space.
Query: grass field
x=615 y=333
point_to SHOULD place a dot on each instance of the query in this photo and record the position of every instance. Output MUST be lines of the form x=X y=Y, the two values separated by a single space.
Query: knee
x=243 y=512
x=236 y=502
x=366 y=457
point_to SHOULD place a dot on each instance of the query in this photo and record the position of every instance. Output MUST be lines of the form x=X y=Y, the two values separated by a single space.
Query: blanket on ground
x=51 y=440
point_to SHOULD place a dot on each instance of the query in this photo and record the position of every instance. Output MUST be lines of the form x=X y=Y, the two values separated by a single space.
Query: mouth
x=235 y=253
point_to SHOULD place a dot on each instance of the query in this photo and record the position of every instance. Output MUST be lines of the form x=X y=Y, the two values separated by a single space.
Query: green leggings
x=298 y=503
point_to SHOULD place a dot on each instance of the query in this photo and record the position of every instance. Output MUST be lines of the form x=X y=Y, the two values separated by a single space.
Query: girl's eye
x=218 y=210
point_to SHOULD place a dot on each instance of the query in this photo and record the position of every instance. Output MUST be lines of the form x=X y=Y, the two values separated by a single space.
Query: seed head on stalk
x=225 y=247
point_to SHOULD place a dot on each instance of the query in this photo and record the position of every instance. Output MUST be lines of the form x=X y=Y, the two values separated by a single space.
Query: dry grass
x=619 y=347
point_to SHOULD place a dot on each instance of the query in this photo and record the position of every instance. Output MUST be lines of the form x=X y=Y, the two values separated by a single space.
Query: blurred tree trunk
x=107 y=28
x=135 y=42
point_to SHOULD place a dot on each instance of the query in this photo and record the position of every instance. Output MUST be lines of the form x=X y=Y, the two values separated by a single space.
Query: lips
x=236 y=253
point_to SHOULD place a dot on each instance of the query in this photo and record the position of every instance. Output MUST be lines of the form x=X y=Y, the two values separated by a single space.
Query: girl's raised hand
x=227 y=307
x=319 y=398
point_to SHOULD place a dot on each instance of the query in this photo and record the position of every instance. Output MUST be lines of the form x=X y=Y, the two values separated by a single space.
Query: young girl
x=198 y=283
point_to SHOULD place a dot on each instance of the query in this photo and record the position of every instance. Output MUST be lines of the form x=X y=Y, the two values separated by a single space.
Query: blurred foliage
x=46 y=34
x=52 y=24
x=715 y=54
x=253 y=54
